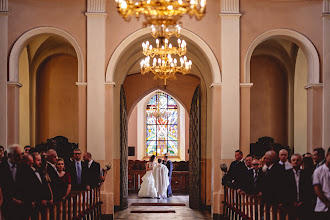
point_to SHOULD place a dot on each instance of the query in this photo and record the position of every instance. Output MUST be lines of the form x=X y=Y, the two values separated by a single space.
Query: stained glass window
x=162 y=125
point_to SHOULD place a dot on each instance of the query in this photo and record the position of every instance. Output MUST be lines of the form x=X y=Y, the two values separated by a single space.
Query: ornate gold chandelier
x=164 y=64
x=158 y=12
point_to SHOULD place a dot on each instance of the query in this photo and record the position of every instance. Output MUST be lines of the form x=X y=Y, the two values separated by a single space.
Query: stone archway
x=205 y=66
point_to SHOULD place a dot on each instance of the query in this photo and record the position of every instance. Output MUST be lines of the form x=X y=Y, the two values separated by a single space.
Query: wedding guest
x=2 y=153
x=232 y=176
x=168 y=163
x=77 y=170
x=51 y=170
x=12 y=199
x=27 y=149
x=65 y=179
x=283 y=155
x=321 y=182
x=93 y=172
x=318 y=157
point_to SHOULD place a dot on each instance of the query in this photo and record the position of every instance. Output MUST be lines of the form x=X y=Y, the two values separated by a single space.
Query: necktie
x=13 y=172
x=78 y=167
x=255 y=177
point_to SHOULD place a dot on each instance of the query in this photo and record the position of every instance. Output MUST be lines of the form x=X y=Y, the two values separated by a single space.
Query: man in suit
x=300 y=190
x=34 y=186
x=244 y=181
x=168 y=163
x=232 y=176
x=93 y=172
x=77 y=170
x=2 y=153
x=255 y=177
x=12 y=199
x=283 y=155
x=51 y=160
x=318 y=157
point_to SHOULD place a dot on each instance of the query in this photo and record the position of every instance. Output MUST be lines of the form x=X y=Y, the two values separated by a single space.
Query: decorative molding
x=81 y=84
x=215 y=85
x=3 y=5
x=246 y=85
x=95 y=5
x=110 y=84
x=326 y=6
x=230 y=6
x=19 y=85
x=103 y=14
x=230 y=14
x=312 y=86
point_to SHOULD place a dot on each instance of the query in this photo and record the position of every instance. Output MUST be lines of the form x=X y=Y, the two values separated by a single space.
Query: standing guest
x=300 y=190
x=318 y=157
x=27 y=149
x=321 y=182
x=283 y=155
x=93 y=172
x=232 y=176
x=168 y=163
x=65 y=179
x=34 y=186
x=12 y=200
x=2 y=154
x=256 y=176
x=244 y=181
x=77 y=170
x=51 y=170
x=307 y=155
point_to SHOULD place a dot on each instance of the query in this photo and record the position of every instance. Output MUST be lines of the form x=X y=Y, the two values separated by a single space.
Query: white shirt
x=322 y=177
x=288 y=165
x=297 y=177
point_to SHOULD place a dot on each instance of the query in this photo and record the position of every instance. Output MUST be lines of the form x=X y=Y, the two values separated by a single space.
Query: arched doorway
x=125 y=61
x=283 y=66
x=47 y=62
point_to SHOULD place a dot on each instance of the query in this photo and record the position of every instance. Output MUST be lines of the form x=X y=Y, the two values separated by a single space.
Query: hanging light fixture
x=161 y=61
x=158 y=12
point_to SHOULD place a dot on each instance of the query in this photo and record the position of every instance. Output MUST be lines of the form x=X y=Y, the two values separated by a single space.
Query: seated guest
x=300 y=189
x=65 y=179
x=93 y=172
x=318 y=157
x=232 y=176
x=12 y=199
x=77 y=170
x=321 y=182
x=283 y=155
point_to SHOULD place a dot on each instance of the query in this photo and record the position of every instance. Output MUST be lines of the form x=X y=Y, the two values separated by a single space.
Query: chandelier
x=158 y=12
x=164 y=64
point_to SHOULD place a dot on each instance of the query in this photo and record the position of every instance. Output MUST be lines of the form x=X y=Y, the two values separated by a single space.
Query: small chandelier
x=162 y=31
x=163 y=65
x=158 y=12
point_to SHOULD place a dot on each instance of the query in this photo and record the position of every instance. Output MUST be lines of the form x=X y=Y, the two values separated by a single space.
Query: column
x=245 y=117
x=216 y=152
x=13 y=112
x=230 y=60
x=96 y=25
x=3 y=70
x=326 y=74
x=82 y=115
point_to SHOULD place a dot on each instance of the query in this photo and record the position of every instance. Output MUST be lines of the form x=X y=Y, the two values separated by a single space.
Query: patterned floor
x=181 y=212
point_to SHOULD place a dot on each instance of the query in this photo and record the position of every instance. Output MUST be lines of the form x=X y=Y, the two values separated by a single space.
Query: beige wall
x=57 y=99
x=260 y=16
x=268 y=100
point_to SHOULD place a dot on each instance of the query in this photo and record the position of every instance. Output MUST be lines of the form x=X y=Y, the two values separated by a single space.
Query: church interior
x=259 y=73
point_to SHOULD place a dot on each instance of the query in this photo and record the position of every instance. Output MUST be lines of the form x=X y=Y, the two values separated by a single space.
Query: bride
x=148 y=185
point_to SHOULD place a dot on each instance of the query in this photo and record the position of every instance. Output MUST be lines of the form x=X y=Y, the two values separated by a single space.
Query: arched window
x=161 y=125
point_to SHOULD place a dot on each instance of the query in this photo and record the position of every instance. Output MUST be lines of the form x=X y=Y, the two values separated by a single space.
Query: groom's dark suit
x=169 y=166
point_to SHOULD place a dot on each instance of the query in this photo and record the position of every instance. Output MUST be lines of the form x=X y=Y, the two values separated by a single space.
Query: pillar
x=245 y=109
x=3 y=70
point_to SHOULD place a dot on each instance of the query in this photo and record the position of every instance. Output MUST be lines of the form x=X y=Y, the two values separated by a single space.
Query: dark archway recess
x=123 y=151
x=195 y=151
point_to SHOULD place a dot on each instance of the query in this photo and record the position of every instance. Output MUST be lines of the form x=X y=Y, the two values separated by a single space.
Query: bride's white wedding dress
x=148 y=185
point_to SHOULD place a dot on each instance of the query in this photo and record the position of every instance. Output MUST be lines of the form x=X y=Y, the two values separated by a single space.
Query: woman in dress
x=148 y=185
x=65 y=178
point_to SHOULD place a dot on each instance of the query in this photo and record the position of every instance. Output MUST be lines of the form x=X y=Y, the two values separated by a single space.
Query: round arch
x=25 y=39
x=303 y=42
x=215 y=73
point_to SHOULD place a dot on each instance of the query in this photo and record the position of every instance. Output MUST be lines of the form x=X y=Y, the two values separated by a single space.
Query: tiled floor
x=181 y=212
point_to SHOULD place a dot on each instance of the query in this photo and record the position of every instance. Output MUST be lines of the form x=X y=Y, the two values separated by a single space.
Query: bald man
x=273 y=181
x=283 y=155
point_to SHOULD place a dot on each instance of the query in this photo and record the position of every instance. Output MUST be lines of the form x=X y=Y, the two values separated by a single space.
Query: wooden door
x=123 y=151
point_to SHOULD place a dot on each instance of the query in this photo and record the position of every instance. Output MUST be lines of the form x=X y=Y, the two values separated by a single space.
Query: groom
x=169 y=166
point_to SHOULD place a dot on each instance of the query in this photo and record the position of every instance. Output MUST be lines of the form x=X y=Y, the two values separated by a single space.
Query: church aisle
x=181 y=212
